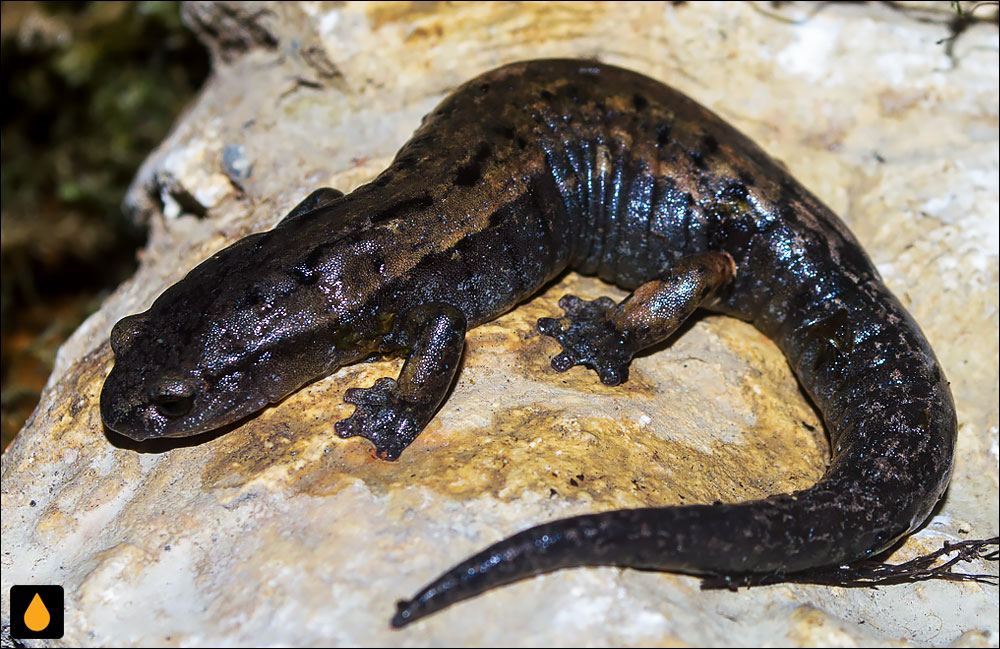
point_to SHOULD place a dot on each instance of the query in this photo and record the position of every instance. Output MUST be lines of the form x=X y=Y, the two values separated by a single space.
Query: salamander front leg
x=392 y=413
x=605 y=337
x=315 y=200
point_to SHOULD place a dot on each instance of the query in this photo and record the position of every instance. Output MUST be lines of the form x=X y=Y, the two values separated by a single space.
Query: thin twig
x=876 y=573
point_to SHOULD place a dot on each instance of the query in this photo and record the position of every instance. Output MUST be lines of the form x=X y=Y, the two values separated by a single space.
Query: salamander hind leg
x=604 y=336
x=392 y=413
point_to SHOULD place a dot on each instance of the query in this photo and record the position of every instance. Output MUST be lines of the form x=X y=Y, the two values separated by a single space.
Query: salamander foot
x=589 y=337
x=382 y=417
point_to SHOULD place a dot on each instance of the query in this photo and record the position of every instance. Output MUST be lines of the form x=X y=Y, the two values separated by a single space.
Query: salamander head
x=152 y=392
x=242 y=330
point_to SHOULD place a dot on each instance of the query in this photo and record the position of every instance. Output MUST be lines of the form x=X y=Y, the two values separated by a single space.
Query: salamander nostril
x=173 y=397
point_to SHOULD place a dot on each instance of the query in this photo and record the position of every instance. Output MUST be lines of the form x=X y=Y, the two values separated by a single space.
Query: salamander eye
x=173 y=397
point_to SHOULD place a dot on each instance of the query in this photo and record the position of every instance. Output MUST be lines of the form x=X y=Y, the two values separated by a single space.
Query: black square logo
x=36 y=612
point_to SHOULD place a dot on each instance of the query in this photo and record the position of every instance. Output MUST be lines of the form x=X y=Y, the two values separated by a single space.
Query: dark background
x=89 y=89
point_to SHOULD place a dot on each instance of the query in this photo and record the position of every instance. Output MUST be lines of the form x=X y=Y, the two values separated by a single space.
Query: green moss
x=90 y=88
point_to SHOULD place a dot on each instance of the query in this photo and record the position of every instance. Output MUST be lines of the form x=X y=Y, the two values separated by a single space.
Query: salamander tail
x=782 y=534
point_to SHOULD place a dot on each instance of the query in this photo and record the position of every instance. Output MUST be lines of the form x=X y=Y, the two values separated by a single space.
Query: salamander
x=518 y=175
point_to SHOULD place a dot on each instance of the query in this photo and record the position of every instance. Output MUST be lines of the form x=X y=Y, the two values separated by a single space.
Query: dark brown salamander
x=520 y=174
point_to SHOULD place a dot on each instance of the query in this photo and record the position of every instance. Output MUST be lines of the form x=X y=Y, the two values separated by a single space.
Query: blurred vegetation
x=89 y=89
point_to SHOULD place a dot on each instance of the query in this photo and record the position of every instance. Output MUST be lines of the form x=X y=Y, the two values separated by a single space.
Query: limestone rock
x=279 y=532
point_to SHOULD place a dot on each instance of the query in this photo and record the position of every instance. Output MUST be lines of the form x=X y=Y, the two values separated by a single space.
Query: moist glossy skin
x=519 y=174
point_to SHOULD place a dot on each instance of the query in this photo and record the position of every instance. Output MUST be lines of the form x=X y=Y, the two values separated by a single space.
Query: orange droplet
x=37 y=616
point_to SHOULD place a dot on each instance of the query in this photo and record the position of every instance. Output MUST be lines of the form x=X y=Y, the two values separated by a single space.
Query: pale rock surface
x=279 y=532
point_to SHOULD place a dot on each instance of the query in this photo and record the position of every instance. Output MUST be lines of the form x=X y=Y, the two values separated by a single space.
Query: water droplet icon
x=36 y=617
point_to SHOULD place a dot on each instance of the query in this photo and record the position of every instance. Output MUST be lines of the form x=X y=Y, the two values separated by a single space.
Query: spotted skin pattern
x=518 y=175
